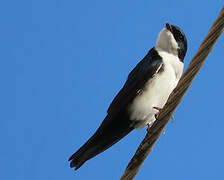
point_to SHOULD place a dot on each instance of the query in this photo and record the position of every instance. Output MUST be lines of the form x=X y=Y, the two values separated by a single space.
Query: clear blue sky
x=61 y=64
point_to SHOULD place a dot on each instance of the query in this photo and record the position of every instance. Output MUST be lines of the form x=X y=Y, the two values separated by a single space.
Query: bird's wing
x=146 y=69
x=117 y=124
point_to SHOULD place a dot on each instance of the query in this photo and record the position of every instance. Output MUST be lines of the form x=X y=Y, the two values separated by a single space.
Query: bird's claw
x=149 y=126
x=157 y=114
x=157 y=108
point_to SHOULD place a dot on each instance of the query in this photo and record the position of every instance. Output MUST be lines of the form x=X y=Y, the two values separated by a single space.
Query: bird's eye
x=178 y=35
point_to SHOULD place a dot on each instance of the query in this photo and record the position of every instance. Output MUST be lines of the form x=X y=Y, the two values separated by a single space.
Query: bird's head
x=172 y=40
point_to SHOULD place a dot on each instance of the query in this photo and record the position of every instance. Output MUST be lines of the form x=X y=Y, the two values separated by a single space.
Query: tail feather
x=110 y=131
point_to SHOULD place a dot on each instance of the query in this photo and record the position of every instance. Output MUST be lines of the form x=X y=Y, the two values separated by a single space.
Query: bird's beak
x=168 y=27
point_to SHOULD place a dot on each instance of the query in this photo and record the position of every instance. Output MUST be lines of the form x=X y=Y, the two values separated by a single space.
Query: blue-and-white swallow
x=145 y=91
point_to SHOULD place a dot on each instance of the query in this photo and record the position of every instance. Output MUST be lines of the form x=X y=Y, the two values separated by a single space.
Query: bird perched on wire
x=144 y=93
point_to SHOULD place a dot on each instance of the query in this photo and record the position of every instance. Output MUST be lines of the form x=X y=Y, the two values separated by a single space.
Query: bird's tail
x=110 y=131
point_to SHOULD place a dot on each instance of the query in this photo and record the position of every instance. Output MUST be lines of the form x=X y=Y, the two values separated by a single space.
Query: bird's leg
x=157 y=114
x=149 y=126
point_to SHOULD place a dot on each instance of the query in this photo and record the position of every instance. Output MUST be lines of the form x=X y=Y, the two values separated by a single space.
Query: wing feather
x=144 y=71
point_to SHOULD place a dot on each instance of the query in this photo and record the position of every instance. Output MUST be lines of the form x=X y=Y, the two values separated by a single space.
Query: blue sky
x=62 y=62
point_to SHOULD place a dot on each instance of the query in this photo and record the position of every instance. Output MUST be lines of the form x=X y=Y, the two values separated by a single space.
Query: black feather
x=117 y=123
x=110 y=131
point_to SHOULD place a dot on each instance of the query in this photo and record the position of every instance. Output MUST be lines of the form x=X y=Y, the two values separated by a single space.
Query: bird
x=144 y=93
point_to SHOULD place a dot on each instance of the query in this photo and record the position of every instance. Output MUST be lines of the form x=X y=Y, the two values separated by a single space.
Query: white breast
x=156 y=91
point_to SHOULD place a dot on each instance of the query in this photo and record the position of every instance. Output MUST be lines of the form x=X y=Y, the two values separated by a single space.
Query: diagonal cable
x=157 y=128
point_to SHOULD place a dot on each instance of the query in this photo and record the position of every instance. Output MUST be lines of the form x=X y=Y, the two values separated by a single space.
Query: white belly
x=155 y=94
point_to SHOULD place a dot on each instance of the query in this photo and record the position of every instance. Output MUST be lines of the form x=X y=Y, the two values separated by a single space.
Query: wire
x=175 y=98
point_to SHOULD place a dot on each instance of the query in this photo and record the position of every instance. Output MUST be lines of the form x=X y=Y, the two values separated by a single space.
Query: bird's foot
x=157 y=114
x=149 y=126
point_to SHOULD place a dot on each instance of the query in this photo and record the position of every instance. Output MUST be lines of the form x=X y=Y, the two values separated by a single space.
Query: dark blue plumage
x=136 y=80
x=117 y=123
x=148 y=85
